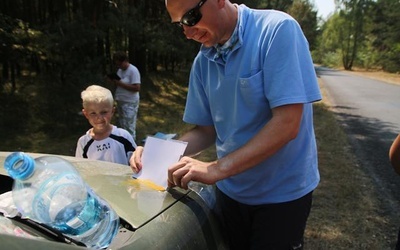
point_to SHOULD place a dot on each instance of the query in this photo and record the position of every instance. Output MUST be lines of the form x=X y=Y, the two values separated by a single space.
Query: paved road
x=369 y=110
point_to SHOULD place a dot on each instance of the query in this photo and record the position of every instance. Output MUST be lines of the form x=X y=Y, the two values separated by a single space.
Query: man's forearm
x=279 y=131
x=394 y=154
x=199 y=138
x=130 y=87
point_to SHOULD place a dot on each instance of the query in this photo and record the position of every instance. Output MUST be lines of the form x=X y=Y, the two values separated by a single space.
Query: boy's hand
x=136 y=160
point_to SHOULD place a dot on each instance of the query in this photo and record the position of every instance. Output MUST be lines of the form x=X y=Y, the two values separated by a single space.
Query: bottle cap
x=19 y=165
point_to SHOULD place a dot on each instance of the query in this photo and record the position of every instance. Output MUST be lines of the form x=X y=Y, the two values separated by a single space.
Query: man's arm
x=394 y=154
x=135 y=87
x=281 y=129
x=199 y=138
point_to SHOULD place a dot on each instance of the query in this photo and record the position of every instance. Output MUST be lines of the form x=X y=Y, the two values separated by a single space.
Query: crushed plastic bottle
x=49 y=190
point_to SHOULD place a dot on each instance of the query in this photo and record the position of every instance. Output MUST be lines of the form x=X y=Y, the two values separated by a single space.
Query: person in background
x=394 y=158
x=251 y=90
x=103 y=141
x=127 y=92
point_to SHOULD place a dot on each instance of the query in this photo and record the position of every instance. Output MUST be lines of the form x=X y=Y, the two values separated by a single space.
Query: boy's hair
x=120 y=56
x=96 y=94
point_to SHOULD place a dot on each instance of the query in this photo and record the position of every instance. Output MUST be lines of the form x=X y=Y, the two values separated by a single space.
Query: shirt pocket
x=252 y=90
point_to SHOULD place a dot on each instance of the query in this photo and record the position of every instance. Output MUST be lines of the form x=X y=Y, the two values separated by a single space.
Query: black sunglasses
x=192 y=17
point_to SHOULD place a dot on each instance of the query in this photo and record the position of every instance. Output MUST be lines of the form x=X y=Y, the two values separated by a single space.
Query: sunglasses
x=192 y=17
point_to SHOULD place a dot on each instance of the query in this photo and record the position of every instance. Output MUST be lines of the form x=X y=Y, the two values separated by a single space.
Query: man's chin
x=207 y=44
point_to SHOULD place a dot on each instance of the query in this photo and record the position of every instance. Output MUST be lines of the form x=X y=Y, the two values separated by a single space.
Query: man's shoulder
x=134 y=71
x=268 y=15
x=133 y=67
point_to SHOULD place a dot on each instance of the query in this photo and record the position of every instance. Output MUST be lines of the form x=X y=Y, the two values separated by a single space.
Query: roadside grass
x=344 y=213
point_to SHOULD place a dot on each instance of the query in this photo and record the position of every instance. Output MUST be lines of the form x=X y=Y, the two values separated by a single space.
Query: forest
x=50 y=50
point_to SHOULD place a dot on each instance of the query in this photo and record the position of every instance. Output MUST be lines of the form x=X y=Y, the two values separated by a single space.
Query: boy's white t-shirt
x=117 y=147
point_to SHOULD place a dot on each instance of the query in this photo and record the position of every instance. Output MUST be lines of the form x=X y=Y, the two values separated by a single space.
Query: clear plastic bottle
x=49 y=190
x=206 y=192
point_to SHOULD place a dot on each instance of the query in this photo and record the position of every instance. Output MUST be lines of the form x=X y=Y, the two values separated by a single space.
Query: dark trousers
x=278 y=226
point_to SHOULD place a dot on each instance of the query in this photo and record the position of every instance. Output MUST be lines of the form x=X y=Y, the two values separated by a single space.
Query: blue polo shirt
x=269 y=66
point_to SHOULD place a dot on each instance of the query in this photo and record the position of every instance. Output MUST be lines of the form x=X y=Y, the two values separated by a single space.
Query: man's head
x=206 y=21
x=121 y=60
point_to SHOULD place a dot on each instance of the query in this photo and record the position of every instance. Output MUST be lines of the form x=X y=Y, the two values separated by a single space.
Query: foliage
x=364 y=32
x=328 y=48
x=63 y=46
x=305 y=14
x=367 y=56
x=344 y=32
x=57 y=48
x=18 y=41
x=282 y=5
x=386 y=32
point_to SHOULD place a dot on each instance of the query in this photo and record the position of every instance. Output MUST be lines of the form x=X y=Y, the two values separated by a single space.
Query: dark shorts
x=271 y=226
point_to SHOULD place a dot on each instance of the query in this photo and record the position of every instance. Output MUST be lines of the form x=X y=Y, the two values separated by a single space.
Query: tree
x=305 y=14
x=386 y=34
x=328 y=42
x=18 y=41
x=351 y=29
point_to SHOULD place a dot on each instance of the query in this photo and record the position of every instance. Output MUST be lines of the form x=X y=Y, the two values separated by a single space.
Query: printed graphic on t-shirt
x=103 y=147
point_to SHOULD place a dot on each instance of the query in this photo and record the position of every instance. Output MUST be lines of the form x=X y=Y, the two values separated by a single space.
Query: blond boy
x=103 y=141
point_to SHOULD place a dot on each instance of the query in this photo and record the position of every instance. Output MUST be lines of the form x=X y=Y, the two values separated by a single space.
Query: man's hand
x=136 y=160
x=189 y=169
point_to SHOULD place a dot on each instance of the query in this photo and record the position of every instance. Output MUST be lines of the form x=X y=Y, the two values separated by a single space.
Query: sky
x=324 y=7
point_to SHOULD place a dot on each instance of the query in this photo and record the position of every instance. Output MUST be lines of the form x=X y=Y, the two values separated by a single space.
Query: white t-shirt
x=117 y=148
x=129 y=76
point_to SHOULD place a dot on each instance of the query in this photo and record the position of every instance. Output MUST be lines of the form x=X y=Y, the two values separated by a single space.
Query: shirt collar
x=218 y=52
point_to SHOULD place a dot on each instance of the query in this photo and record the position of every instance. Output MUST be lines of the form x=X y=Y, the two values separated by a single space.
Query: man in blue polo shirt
x=251 y=91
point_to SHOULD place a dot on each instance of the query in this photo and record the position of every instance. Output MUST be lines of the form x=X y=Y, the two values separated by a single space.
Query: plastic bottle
x=206 y=192
x=49 y=190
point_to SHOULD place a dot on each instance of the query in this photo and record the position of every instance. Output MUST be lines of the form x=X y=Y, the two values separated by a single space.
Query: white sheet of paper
x=158 y=155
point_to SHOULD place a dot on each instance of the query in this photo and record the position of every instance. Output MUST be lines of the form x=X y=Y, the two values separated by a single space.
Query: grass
x=344 y=213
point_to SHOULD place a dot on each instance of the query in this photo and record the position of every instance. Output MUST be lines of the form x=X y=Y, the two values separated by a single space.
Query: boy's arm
x=394 y=154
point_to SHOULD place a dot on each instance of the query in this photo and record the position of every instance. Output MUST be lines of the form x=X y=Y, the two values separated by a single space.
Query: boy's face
x=99 y=115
